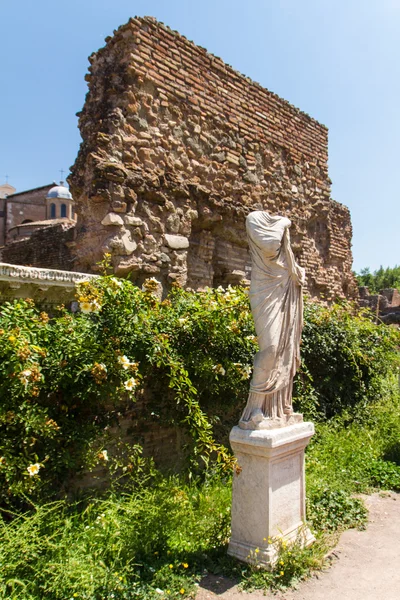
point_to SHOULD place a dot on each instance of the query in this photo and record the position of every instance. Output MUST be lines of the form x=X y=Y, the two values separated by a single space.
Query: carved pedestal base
x=268 y=496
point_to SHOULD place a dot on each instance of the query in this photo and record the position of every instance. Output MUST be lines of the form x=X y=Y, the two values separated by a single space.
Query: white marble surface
x=268 y=496
x=19 y=273
x=277 y=307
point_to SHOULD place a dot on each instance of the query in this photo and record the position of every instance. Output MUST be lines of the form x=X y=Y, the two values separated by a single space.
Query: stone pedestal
x=268 y=496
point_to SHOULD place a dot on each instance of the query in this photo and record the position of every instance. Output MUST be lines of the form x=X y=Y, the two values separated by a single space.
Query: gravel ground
x=365 y=565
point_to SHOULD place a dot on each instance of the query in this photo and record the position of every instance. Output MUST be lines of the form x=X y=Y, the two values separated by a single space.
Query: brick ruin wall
x=178 y=148
x=47 y=248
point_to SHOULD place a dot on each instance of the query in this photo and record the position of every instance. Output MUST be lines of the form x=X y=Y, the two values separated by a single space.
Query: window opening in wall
x=63 y=211
x=52 y=211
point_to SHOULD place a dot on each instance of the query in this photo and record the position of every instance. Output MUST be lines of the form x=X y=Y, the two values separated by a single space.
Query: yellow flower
x=257 y=550
x=117 y=282
x=103 y=455
x=95 y=306
x=185 y=565
x=281 y=573
x=130 y=384
x=281 y=562
x=246 y=372
x=25 y=375
x=12 y=338
x=85 y=307
x=99 y=372
x=2 y=460
x=181 y=591
x=124 y=362
x=171 y=566
x=75 y=594
x=219 y=370
x=33 y=469
x=150 y=284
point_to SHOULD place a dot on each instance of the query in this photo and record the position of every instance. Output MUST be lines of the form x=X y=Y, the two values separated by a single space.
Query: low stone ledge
x=12 y=273
x=48 y=287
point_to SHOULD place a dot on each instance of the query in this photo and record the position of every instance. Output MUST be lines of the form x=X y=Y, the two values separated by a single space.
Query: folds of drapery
x=277 y=308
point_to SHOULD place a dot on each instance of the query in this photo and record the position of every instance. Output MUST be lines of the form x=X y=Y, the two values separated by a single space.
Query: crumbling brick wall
x=178 y=148
x=49 y=248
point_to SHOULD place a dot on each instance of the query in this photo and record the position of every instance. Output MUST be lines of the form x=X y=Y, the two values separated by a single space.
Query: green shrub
x=64 y=380
x=332 y=509
x=346 y=359
x=57 y=379
x=384 y=474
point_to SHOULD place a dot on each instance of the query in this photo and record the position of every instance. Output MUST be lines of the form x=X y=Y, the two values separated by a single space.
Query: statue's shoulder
x=259 y=217
x=256 y=214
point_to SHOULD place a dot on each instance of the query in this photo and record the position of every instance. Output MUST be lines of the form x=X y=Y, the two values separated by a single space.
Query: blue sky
x=338 y=60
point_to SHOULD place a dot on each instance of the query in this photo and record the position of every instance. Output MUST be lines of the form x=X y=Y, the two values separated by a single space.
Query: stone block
x=112 y=219
x=176 y=242
x=133 y=221
x=268 y=495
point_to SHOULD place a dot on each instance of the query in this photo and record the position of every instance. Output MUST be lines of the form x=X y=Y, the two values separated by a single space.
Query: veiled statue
x=276 y=301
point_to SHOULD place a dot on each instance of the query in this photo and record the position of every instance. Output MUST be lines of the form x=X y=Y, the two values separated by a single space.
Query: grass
x=157 y=541
x=121 y=547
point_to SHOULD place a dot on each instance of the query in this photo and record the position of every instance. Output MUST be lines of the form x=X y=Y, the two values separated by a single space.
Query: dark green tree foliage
x=64 y=380
x=345 y=358
x=379 y=279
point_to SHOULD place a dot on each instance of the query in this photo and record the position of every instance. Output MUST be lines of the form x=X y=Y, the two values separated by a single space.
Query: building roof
x=59 y=191
x=6 y=190
x=46 y=223
x=37 y=189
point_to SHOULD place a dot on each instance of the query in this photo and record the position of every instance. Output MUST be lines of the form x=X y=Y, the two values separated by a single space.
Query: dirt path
x=367 y=566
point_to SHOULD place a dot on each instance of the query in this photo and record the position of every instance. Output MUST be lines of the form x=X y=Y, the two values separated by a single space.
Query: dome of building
x=59 y=191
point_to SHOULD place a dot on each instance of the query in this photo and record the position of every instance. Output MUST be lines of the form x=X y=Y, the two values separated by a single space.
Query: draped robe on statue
x=277 y=308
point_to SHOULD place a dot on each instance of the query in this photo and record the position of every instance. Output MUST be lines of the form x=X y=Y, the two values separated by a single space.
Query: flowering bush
x=56 y=377
x=64 y=379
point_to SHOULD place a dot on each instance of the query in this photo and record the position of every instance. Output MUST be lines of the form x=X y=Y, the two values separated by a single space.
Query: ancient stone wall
x=49 y=248
x=178 y=148
x=385 y=304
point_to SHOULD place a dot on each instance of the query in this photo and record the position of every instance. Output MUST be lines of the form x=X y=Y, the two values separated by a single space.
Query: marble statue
x=277 y=306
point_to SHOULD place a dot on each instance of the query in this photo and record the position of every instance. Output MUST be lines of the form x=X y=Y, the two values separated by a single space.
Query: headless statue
x=277 y=306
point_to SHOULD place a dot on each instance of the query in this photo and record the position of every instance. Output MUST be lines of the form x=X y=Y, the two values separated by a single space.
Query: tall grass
x=156 y=541
x=119 y=547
